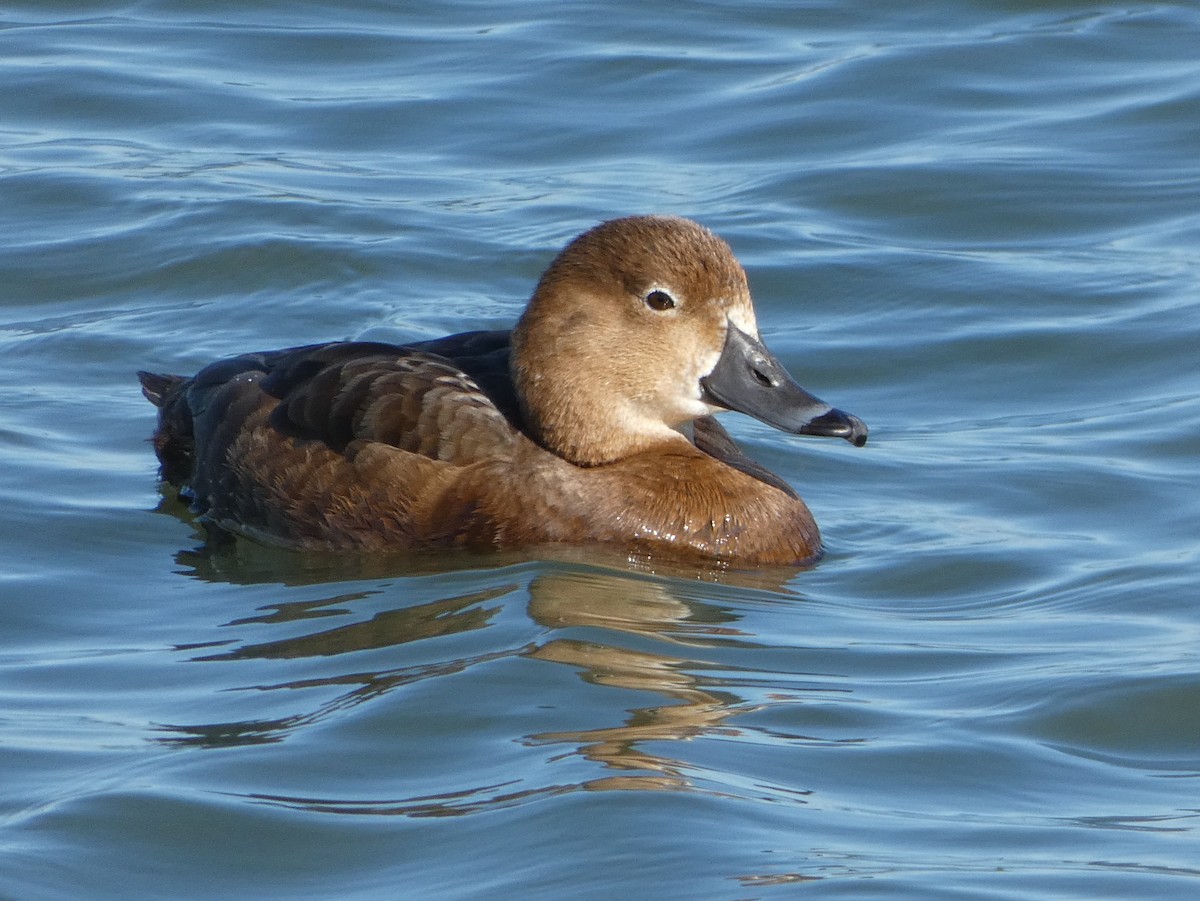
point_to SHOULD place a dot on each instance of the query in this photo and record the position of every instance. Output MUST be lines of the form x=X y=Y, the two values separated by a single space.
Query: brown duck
x=590 y=421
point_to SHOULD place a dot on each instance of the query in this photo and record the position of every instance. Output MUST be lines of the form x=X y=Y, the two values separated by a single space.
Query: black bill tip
x=836 y=424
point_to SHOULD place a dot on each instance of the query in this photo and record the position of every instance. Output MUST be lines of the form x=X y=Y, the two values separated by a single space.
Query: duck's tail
x=173 y=440
x=159 y=387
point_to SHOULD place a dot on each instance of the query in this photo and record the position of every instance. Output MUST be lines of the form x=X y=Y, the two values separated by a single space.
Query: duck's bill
x=748 y=379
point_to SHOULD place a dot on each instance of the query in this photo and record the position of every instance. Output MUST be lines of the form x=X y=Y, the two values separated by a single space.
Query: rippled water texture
x=975 y=225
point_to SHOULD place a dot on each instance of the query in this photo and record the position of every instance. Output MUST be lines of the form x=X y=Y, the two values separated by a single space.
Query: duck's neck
x=590 y=431
x=585 y=421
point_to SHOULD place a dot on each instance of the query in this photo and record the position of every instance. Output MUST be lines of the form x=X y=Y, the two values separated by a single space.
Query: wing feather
x=418 y=402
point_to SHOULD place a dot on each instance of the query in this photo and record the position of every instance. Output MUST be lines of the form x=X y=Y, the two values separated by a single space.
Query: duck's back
x=336 y=444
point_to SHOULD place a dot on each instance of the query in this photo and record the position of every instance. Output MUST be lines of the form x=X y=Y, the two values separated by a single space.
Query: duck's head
x=637 y=328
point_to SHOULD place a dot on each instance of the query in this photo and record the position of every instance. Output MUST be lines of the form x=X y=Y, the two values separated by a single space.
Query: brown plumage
x=589 y=422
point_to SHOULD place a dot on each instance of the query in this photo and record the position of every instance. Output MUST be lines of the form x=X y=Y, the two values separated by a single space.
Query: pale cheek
x=686 y=411
x=686 y=402
x=701 y=408
x=704 y=365
x=743 y=318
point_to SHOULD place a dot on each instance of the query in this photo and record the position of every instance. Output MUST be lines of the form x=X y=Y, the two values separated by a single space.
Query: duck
x=590 y=422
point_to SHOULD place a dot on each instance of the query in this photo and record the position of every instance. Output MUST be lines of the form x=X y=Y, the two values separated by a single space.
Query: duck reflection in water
x=562 y=598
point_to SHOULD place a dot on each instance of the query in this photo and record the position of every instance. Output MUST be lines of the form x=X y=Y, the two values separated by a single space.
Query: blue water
x=975 y=225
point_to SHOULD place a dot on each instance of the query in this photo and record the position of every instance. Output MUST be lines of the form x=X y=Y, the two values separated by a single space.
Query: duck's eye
x=660 y=301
